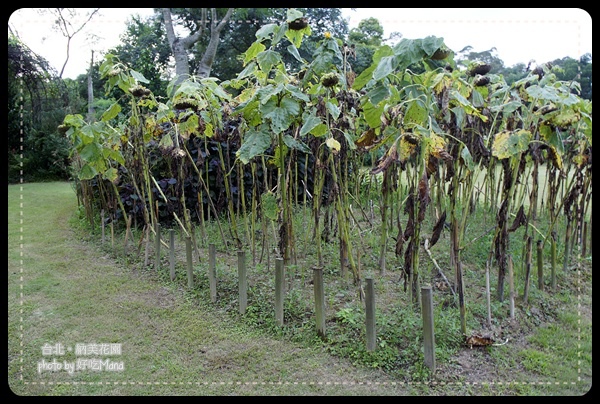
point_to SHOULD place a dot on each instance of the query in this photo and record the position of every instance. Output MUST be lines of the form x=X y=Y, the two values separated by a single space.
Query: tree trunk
x=90 y=88
x=211 y=50
x=180 y=46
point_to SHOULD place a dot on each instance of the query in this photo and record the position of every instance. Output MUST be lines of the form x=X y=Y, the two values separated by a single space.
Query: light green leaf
x=111 y=112
x=367 y=74
x=294 y=52
x=378 y=93
x=296 y=92
x=216 y=88
x=467 y=158
x=293 y=14
x=319 y=130
x=111 y=174
x=372 y=114
x=138 y=76
x=252 y=51
x=416 y=113
x=544 y=93
x=350 y=141
x=333 y=144
x=248 y=70
x=265 y=31
x=208 y=129
x=333 y=110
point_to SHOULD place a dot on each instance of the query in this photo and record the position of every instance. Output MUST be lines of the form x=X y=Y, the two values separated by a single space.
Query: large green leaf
x=255 y=143
x=367 y=74
x=378 y=93
x=282 y=115
x=295 y=36
x=138 y=76
x=266 y=30
x=372 y=114
x=545 y=93
x=431 y=44
x=294 y=52
x=319 y=130
x=510 y=143
x=91 y=152
x=87 y=172
x=267 y=59
x=215 y=88
x=265 y=94
x=333 y=109
x=248 y=70
x=296 y=92
x=295 y=144
x=252 y=51
x=386 y=65
x=189 y=127
x=310 y=122
x=111 y=112
x=507 y=108
x=416 y=114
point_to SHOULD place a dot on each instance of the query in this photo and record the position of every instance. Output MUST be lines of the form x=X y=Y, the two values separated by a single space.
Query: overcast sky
x=518 y=34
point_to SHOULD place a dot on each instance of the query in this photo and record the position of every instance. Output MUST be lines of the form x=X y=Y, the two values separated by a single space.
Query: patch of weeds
x=536 y=361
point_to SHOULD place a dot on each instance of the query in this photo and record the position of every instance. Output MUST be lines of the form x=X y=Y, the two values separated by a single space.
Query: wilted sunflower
x=330 y=79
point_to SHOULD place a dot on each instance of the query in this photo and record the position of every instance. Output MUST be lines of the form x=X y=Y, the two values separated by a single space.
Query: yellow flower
x=327 y=35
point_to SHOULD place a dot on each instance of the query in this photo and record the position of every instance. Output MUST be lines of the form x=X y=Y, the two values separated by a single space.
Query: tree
x=366 y=38
x=578 y=70
x=144 y=47
x=38 y=100
x=63 y=22
x=181 y=46
x=368 y=32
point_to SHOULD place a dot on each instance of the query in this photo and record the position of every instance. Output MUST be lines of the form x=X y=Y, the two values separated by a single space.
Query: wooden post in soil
x=172 y=253
x=102 y=223
x=553 y=260
x=370 y=314
x=540 y=265
x=190 y=268
x=428 y=327
x=584 y=239
x=527 y=269
x=488 y=294
x=242 y=281
x=511 y=285
x=279 y=290
x=212 y=272
x=157 y=247
x=112 y=235
x=127 y=233
x=319 y=301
